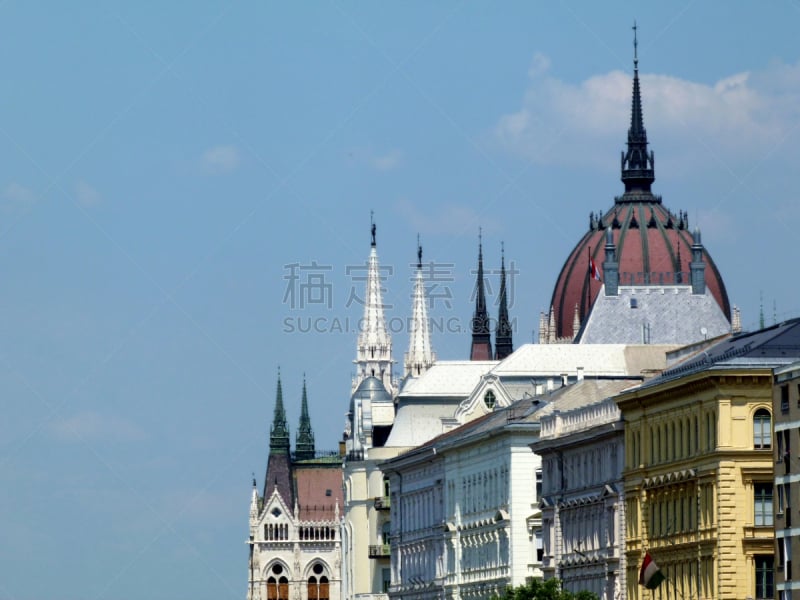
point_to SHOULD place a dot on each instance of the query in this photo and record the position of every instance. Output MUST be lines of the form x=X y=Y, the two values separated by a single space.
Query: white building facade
x=581 y=445
x=463 y=519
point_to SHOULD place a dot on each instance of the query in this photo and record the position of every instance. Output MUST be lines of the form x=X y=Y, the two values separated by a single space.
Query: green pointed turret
x=304 y=444
x=279 y=432
x=503 y=342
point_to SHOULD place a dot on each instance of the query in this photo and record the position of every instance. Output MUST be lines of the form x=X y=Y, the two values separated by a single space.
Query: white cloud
x=86 y=195
x=16 y=196
x=386 y=162
x=449 y=219
x=220 y=160
x=91 y=426
x=736 y=119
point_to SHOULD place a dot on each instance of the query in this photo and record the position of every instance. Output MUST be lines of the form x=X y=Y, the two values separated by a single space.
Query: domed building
x=642 y=256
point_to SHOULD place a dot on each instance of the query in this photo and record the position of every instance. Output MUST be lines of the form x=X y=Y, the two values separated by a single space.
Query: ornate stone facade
x=698 y=478
x=582 y=500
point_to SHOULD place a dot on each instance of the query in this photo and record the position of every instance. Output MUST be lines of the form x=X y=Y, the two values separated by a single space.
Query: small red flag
x=593 y=270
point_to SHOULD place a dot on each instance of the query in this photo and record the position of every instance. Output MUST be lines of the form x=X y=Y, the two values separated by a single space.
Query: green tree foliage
x=543 y=590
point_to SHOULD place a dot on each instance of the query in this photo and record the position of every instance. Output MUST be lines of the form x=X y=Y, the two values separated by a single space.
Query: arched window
x=762 y=429
x=277 y=584
x=313 y=588
x=318 y=588
x=283 y=589
x=324 y=588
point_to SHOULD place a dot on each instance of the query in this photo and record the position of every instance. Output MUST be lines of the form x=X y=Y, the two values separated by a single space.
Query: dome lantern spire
x=638 y=167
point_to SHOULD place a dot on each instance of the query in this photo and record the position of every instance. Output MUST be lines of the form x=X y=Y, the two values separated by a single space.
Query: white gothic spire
x=374 y=352
x=420 y=355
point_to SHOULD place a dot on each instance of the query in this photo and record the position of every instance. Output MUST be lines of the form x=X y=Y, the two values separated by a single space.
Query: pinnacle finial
x=638 y=165
x=419 y=253
x=372 y=226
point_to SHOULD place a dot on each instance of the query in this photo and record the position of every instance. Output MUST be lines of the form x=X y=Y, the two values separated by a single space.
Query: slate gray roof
x=653 y=314
x=769 y=347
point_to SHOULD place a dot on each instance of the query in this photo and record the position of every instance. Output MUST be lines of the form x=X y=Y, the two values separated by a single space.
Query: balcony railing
x=380 y=551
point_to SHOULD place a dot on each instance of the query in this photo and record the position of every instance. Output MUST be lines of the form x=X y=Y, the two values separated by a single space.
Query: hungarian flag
x=650 y=576
x=593 y=270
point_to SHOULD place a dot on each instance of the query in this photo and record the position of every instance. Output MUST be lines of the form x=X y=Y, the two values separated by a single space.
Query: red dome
x=653 y=248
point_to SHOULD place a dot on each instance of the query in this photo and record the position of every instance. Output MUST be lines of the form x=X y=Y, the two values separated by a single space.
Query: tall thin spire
x=420 y=355
x=279 y=432
x=638 y=168
x=481 y=337
x=374 y=351
x=279 y=463
x=304 y=443
x=503 y=343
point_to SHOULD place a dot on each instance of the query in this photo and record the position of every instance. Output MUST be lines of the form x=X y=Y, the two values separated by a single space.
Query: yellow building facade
x=698 y=476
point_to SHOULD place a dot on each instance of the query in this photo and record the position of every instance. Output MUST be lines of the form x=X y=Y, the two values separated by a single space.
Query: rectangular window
x=538 y=484
x=762 y=496
x=387 y=580
x=787 y=499
x=786 y=545
x=784 y=398
x=765 y=565
x=787 y=449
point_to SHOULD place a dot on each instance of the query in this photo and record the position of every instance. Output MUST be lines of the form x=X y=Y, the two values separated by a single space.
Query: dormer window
x=489 y=399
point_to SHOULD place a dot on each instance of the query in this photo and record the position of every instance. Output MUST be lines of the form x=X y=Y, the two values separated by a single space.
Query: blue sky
x=163 y=166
